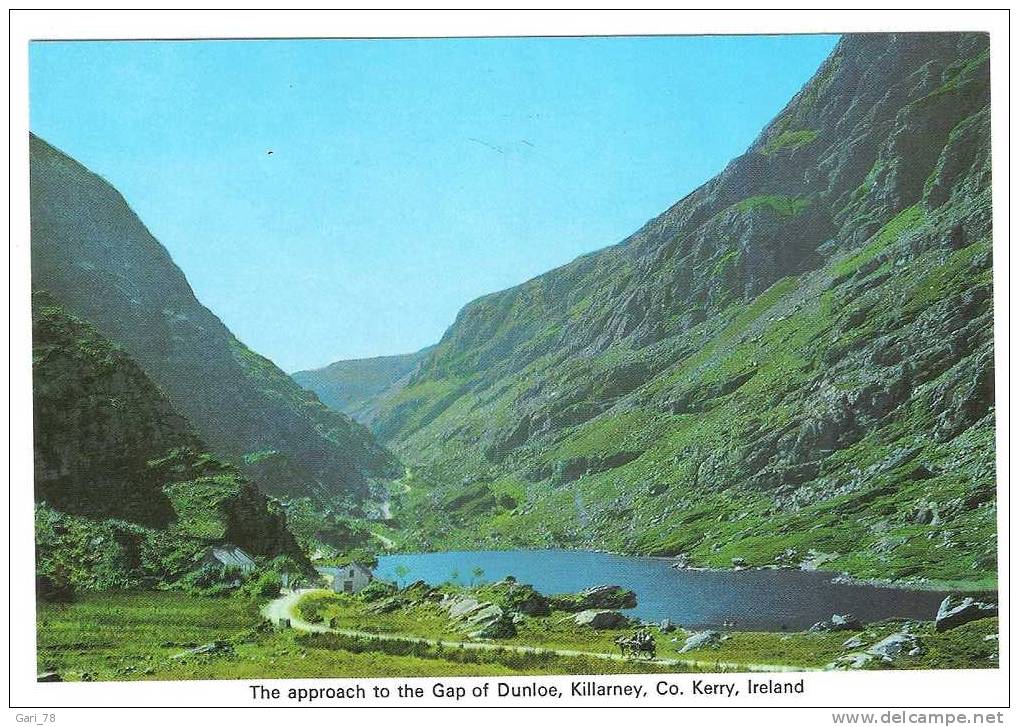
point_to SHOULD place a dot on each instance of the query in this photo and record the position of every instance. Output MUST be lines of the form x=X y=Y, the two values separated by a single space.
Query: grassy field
x=963 y=647
x=142 y=635
x=147 y=635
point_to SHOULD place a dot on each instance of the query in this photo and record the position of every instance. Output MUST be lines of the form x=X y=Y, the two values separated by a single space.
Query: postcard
x=613 y=369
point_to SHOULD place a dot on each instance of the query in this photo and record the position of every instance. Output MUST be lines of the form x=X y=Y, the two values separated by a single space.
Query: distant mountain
x=793 y=364
x=355 y=386
x=96 y=258
x=126 y=493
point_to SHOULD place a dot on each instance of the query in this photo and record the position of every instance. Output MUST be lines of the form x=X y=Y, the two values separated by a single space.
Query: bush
x=374 y=591
x=312 y=607
x=264 y=585
x=211 y=580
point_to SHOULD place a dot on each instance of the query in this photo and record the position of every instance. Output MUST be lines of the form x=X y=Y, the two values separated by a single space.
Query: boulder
x=460 y=606
x=844 y=622
x=896 y=646
x=502 y=627
x=853 y=642
x=600 y=619
x=480 y=619
x=486 y=614
x=956 y=611
x=608 y=597
x=838 y=622
x=522 y=597
x=211 y=649
x=701 y=640
x=49 y=676
x=853 y=661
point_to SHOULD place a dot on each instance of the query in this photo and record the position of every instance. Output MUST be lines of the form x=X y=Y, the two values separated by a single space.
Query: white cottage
x=351 y=578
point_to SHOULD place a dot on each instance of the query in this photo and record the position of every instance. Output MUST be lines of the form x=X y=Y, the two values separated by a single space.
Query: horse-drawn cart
x=642 y=644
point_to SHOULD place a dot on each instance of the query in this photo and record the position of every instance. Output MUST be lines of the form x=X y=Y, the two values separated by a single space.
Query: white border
x=854 y=690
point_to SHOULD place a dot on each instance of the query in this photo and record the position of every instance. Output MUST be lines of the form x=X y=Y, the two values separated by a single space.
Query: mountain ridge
x=351 y=385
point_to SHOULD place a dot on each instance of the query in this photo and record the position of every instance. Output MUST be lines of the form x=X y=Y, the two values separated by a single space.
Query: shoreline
x=838 y=577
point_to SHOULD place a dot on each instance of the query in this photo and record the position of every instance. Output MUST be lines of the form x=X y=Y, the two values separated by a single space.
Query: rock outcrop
x=957 y=610
x=126 y=493
x=596 y=597
x=479 y=619
x=600 y=619
x=701 y=640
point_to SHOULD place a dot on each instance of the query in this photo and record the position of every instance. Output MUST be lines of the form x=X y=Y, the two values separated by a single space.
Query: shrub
x=375 y=590
x=780 y=205
x=211 y=580
x=265 y=585
x=312 y=607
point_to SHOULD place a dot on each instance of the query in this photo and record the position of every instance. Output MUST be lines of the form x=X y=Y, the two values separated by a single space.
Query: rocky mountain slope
x=355 y=386
x=126 y=493
x=97 y=422
x=97 y=259
x=793 y=364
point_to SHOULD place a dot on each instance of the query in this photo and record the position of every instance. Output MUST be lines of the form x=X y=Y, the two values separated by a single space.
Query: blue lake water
x=769 y=600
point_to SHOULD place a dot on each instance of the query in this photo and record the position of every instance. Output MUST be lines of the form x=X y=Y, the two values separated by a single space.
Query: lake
x=765 y=600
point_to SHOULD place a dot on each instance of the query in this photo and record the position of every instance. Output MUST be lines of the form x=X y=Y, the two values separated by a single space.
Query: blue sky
x=407 y=177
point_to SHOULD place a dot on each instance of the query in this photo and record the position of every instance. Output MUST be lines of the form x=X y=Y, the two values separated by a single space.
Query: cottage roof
x=359 y=566
x=231 y=555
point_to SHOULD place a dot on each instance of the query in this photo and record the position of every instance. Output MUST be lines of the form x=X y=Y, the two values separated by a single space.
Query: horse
x=640 y=644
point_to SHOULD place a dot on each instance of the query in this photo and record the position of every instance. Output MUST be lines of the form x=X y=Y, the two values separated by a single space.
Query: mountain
x=96 y=258
x=354 y=386
x=791 y=365
x=127 y=494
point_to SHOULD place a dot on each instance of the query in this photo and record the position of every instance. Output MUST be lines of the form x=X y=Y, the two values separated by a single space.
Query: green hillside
x=126 y=494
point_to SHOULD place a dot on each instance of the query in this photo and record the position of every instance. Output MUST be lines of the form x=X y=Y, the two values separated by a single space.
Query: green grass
x=609 y=434
x=907 y=220
x=140 y=635
x=781 y=205
x=134 y=635
x=115 y=636
x=478 y=662
x=789 y=140
x=656 y=503
x=556 y=631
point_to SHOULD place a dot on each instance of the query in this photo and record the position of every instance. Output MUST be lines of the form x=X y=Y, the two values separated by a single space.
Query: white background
x=956 y=691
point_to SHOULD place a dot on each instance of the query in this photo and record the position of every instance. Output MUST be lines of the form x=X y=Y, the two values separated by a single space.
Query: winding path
x=284 y=607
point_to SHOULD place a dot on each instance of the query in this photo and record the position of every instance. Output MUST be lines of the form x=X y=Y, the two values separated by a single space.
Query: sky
x=407 y=177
